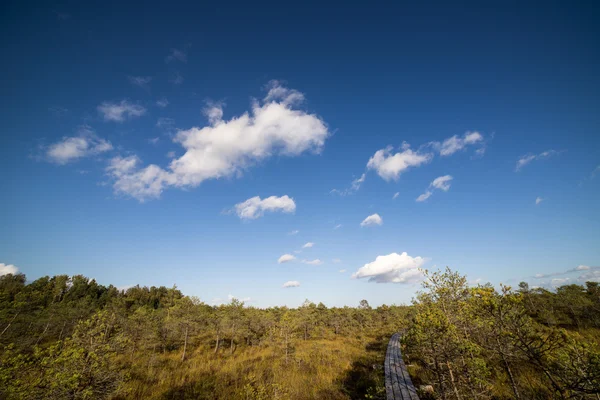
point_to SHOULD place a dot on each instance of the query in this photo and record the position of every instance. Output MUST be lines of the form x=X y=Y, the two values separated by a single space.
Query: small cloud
x=336 y=261
x=286 y=258
x=313 y=262
x=538 y=200
x=176 y=78
x=162 y=103
x=176 y=55
x=424 y=196
x=119 y=112
x=441 y=183
x=58 y=111
x=308 y=245
x=255 y=207
x=154 y=140
x=242 y=299
x=456 y=143
x=6 y=269
x=171 y=154
x=294 y=232
x=85 y=144
x=389 y=166
x=595 y=172
x=166 y=124
x=395 y=196
x=395 y=268
x=374 y=219
x=140 y=81
x=526 y=159
x=355 y=185
x=341 y=271
x=291 y=284
x=338 y=226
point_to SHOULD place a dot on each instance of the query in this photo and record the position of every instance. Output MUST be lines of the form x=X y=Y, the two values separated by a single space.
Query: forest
x=67 y=337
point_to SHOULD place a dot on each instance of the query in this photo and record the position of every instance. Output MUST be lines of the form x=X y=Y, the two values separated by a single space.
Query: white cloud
x=441 y=183
x=396 y=268
x=424 y=196
x=455 y=143
x=294 y=232
x=140 y=81
x=353 y=187
x=559 y=281
x=290 y=284
x=165 y=123
x=162 y=103
x=526 y=159
x=316 y=261
x=538 y=200
x=176 y=55
x=6 y=269
x=591 y=276
x=389 y=166
x=85 y=144
x=395 y=195
x=286 y=258
x=176 y=78
x=582 y=268
x=227 y=148
x=308 y=245
x=255 y=207
x=336 y=260
x=341 y=271
x=171 y=154
x=374 y=219
x=338 y=226
x=119 y=112
x=242 y=299
x=154 y=140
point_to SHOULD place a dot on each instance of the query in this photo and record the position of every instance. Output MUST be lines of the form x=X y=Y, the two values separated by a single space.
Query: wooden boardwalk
x=398 y=385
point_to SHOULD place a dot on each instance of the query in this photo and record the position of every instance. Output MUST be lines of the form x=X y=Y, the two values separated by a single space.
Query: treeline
x=482 y=343
x=71 y=338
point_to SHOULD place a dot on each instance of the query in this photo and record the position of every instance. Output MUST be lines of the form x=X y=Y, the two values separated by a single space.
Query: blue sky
x=185 y=144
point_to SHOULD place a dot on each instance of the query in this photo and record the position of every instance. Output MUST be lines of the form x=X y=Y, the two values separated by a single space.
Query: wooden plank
x=398 y=385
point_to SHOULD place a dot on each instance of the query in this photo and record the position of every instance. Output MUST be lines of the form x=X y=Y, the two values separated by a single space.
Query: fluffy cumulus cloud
x=308 y=245
x=389 y=166
x=395 y=268
x=457 y=143
x=439 y=183
x=256 y=207
x=226 y=148
x=286 y=258
x=291 y=284
x=119 y=112
x=526 y=159
x=371 y=220
x=85 y=144
x=6 y=269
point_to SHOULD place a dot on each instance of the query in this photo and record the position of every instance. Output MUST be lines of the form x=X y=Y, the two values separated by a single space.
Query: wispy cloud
x=336 y=261
x=395 y=196
x=286 y=258
x=294 y=232
x=119 y=112
x=538 y=200
x=313 y=262
x=71 y=148
x=308 y=245
x=140 y=81
x=162 y=103
x=338 y=226
x=456 y=143
x=176 y=78
x=227 y=148
x=291 y=284
x=177 y=55
x=526 y=159
x=441 y=183
x=372 y=220
x=355 y=185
